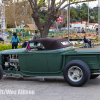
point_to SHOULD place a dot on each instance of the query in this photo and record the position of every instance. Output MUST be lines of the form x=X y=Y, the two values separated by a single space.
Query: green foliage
x=7 y=47
x=85 y=17
x=41 y=3
x=52 y=35
x=42 y=13
x=72 y=13
x=84 y=7
x=42 y=20
x=81 y=14
x=20 y=39
x=78 y=41
x=25 y=39
x=78 y=45
x=93 y=12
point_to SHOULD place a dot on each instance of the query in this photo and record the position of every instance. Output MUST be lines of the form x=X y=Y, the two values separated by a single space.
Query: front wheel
x=76 y=73
x=1 y=72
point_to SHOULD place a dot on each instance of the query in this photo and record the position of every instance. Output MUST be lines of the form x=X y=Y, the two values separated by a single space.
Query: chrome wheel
x=75 y=74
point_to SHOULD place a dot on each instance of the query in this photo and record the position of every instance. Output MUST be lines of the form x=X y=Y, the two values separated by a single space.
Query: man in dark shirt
x=36 y=36
x=97 y=30
x=87 y=41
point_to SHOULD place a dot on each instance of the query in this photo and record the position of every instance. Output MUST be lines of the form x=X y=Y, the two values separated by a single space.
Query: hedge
x=7 y=47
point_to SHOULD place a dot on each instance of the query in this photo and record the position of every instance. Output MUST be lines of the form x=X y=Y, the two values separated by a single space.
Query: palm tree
x=85 y=17
x=81 y=14
x=72 y=13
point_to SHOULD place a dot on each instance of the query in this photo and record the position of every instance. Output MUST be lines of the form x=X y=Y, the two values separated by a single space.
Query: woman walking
x=14 y=41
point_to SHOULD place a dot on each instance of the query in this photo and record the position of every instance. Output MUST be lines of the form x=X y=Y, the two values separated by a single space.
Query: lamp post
x=11 y=32
x=88 y=16
x=98 y=18
x=68 y=19
x=22 y=27
x=34 y=26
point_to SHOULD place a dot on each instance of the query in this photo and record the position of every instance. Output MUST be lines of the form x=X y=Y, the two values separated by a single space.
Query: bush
x=7 y=47
x=20 y=39
x=25 y=40
x=78 y=41
x=52 y=35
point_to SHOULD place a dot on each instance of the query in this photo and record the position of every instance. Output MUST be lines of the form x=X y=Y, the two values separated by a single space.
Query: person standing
x=97 y=30
x=36 y=36
x=14 y=40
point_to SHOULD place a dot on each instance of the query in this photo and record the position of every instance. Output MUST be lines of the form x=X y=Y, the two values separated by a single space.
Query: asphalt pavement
x=48 y=88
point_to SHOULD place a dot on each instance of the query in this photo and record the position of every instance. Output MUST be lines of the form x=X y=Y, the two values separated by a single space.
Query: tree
x=81 y=14
x=72 y=13
x=84 y=7
x=52 y=13
x=85 y=17
x=42 y=13
x=16 y=12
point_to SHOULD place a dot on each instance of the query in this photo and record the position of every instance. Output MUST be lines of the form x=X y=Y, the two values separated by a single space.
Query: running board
x=95 y=73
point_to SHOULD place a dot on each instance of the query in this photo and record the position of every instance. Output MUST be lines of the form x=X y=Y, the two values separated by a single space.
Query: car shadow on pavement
x=35 y=79
x=60 y=80
x=94 y=82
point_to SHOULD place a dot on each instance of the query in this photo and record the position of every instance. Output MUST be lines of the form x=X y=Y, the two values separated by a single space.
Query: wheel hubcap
x=75 y=74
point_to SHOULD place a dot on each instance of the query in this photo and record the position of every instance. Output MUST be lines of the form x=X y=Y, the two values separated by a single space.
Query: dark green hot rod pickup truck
x=51 y=57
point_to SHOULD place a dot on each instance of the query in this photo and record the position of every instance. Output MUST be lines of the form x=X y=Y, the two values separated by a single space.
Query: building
x=84 y=24
x=2 y=18
x=30 y=27
x=43 y=8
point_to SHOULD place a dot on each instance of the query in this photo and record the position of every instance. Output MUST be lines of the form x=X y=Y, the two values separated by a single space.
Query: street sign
x=60 y=19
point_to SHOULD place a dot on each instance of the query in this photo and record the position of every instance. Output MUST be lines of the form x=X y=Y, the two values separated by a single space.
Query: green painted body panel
x=22 y=61
x=37 y=61
x=91 y=58
x=51 y=62
x=13 y=51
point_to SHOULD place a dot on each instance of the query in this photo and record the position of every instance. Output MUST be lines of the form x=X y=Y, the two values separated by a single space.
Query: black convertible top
x=53 y=43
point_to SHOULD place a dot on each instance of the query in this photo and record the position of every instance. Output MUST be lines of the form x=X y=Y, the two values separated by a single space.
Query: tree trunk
x=44 y=28
x=44 y=31
x=86 y=22
x=15 y=24
x=81 y=20
x=71 y=20
x=43 y=34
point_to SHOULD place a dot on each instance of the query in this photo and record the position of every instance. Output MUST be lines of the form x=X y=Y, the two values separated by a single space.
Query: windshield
x=35 y=46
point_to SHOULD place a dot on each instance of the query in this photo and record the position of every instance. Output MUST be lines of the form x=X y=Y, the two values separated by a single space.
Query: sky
x=91 y=4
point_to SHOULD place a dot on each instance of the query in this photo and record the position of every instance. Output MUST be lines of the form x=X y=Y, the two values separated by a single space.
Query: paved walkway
x=88 y=49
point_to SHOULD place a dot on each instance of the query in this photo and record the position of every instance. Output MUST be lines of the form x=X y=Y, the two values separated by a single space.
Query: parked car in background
x=51 y=57
x=64 y=28
x=24 y=44
x=1 y=39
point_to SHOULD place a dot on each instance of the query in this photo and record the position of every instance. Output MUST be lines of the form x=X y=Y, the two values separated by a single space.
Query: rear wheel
x=94 y=76
x=76 y=73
